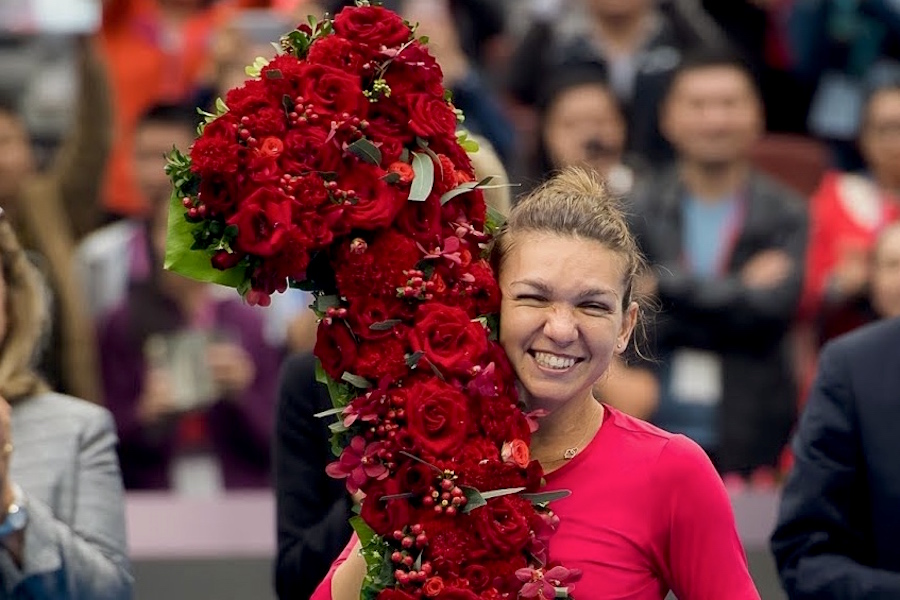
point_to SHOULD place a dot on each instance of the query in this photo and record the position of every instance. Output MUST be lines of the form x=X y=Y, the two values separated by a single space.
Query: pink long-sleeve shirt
x=648 y=513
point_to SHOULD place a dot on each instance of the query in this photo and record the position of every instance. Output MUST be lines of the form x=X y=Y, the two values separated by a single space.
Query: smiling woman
x=648 y=513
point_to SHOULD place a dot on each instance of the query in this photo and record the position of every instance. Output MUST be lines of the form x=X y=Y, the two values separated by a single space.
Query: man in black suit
x=313 y=508
x=838 y=532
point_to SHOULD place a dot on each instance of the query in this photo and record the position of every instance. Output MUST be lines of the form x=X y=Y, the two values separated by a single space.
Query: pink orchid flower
x=450 y=251
x=539 y=584
x=533 y=417
x=358 y=463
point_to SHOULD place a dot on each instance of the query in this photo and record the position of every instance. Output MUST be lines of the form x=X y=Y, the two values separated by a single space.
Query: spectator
x=635 y=43
x=51 y=210
x=727 y=246
x=581 y=124
x=63 y=510
x=885 y=292
x=190 y=381
x=838 y=524
x=846 y=215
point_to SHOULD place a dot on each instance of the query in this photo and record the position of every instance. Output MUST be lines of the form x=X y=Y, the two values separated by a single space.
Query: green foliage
x=423 y=182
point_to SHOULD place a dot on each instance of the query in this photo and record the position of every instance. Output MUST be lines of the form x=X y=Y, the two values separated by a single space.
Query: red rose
x=422 y=221
x=448 y=338
x=263 y=221
x=248 y=98
x=477 y=576
x=263 y=171
x=430 y=116
x=307 y=148
x=502 y=526
x=367 y=311
x=335 y=348
x=437 y=417
x=415 y=70
x=388 y=127
x=484 y=290
x=217 y=192
x=416 y=477
x=265 y=121
x=335 y=51
x=385 y=516
x=377 y=202
x=270 y=147
x=372 y=25
x=333 y=91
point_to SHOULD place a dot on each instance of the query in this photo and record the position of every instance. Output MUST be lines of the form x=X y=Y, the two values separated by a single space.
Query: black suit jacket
x=313 y=508
x=838 y=532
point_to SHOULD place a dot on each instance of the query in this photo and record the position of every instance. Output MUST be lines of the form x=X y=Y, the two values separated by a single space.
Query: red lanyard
x=734 y=226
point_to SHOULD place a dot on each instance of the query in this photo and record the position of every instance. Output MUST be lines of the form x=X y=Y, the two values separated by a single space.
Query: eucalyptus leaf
x=365 y=151
x=195 y=264
x=397 y=497
x=423 y=182
x=274 y=74
x=501 y=492
x=329 y=412
x=424 y=462
x=356 y=380
x=462 y=188
x=323 y=303
x=337 y=427
x=385 y=325
x=474 y=499
x=391 y=178
x=545 y=497
x=413 y=359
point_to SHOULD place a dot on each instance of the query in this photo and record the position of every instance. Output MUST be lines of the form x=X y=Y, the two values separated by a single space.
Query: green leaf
x=413 y=359
x=221 y=107
x=365 y=151
x=404 y=155
x=391 y=178
x=340 y=394
x=195 y=264
x=338 y=427
x=474 y=499
x=356 y=380
x=562 y=592
x=419 y=460
x=462 y=188
x=365 y=533
x=385 y=325
x=274 y=74
x=501 y=492
x=545 y=497
x=329 y=412
x=495 y=219
x=423 y=182
x=323 y=303
x=397 y=496
x=467 y=143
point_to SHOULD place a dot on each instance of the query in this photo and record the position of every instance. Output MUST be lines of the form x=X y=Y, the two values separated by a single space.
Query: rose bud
x=516 y=452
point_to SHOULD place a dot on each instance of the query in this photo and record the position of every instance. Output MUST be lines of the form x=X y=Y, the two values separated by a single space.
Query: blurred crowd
x=755 y=144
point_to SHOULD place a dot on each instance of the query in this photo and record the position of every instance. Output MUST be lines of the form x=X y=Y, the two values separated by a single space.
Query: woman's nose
x=561 y=325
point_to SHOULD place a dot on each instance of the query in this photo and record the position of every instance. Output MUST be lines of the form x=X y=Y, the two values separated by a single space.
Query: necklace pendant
x=570 y=453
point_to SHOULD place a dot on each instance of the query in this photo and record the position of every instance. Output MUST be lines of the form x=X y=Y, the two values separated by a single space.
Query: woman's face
x=583 y=127
x=886 y=275
x=561 y=315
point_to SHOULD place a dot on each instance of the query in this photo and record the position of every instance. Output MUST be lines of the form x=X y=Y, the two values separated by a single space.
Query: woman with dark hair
x=62 y=507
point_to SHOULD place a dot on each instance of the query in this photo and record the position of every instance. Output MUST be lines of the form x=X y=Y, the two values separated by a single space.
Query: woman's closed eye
x=595 y=308
x=531 y=299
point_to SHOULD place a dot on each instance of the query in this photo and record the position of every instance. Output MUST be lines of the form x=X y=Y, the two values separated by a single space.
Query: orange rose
x=516 y=452
x=433 y=587
x=271 y=147
x=404 y=170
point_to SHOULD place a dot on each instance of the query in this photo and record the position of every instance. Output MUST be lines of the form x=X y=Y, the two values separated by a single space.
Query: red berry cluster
x=445 y=496
x=332 y=313
x=196 y=210
x=413 y=539
x=416 y=286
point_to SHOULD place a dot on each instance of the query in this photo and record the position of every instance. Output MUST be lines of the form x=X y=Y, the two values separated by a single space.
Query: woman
x=190 y=380
x=62 y=507
x=648 y=512
x=847 y=214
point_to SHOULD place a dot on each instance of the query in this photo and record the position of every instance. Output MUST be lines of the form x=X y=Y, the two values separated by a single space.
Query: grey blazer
x=75 y=543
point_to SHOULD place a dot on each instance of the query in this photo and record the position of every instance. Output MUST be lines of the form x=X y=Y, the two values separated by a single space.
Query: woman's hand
x=231 y=366
x=157 y=397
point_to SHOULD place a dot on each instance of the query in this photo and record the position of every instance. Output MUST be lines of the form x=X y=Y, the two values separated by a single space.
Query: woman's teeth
x=551 y=361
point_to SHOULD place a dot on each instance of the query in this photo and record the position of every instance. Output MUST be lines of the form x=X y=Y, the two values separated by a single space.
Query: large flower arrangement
x=338 y=168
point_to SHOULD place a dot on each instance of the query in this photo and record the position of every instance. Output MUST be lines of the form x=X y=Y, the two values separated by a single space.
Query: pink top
x=648 y=512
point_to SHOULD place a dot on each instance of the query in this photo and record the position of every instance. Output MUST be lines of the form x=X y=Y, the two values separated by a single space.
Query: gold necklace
x=572 y=452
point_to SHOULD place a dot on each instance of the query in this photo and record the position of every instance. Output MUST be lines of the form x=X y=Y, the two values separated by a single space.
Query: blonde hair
x=487 y=163
x=26 y=317
x=575 y=202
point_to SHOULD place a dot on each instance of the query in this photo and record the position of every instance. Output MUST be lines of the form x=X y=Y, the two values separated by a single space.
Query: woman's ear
x=629 y=320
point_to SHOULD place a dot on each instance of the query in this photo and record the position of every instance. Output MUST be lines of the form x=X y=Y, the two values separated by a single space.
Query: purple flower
x=358 y=463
